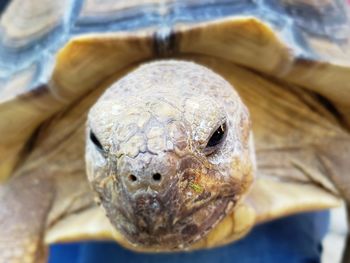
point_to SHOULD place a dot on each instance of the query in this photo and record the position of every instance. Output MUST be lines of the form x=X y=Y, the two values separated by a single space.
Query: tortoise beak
x=158 y=226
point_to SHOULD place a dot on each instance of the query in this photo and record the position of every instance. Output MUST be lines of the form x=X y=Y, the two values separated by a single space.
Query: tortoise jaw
x=220 y=208
x=183 y=232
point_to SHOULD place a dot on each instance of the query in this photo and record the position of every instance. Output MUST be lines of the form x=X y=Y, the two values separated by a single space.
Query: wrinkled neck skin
x=150 y=155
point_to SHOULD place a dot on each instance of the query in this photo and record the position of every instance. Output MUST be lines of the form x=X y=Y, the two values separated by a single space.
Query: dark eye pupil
x=217 y=136
x=94 y=139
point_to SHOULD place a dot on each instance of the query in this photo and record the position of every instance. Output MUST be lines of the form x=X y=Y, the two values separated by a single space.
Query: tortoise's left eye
x=95 y=141
x=216 y=139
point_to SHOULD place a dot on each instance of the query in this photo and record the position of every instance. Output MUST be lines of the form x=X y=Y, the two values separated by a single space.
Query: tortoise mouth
x=220 y=207
x=191 y=227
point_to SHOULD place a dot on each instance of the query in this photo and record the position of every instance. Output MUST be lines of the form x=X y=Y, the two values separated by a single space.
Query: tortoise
x=168 y=125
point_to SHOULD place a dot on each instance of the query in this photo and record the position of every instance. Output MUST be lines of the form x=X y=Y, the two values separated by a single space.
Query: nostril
x=157 y=177
x=132 y=178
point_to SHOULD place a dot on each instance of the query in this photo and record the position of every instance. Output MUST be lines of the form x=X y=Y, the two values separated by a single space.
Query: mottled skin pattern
x=158 y=181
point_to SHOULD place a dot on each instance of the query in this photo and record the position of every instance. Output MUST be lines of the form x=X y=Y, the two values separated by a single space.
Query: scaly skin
x=159 y=184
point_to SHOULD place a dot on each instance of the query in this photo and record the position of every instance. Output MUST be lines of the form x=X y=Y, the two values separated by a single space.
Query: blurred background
x=335 y=240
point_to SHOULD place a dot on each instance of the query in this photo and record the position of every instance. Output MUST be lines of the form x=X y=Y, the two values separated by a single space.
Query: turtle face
x=168 y=153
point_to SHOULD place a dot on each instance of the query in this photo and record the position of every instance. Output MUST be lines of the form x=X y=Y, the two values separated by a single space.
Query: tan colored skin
x=53 y=176
x=160 y=184
x=291 y=178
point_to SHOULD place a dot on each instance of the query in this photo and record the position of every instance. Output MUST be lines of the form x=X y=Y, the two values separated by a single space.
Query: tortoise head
x=168 y=153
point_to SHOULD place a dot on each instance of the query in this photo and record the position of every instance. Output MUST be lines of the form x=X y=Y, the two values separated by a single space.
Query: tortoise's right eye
x=216 y=139
x=95 y=141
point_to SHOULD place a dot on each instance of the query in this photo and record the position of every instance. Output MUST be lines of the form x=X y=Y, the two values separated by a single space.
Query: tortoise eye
x=216 y=138
x=94 y=139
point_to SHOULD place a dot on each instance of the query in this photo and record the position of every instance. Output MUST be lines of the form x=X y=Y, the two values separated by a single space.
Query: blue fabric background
x=293 y=239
